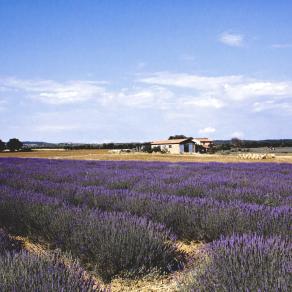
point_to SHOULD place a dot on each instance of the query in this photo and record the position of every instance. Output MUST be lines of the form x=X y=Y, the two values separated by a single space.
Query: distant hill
x=244 y=144
x=260 y=143
x=38 y=144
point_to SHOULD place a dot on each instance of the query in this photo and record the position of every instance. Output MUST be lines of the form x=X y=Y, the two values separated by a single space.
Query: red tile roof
x=203 y=139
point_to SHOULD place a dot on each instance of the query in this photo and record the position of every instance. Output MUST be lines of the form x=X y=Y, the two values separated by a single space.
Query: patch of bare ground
x=40 y=249
x=158 y=283
x=43 y=250
x=149 y=283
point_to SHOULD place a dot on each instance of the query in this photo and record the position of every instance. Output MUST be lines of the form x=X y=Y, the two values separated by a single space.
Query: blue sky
x=101 y=71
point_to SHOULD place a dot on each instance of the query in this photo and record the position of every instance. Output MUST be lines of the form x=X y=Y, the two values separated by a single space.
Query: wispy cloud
x=174 y=102
x=231 y=39
x=250 y=88
x=141 y=97
x=185 y=80
x=282 y=46
x=221 y=90
x=187 y=58
x=82 y=91
x=2 y=104
x=207 y=130
x=53 y=92
x=159 y=90
x=271 y=104
x=203 y=102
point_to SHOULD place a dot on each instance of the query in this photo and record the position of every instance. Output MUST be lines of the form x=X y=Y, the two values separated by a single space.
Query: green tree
x=2 y=145
x=236 y=142
x=14 y=144
x=177 y=137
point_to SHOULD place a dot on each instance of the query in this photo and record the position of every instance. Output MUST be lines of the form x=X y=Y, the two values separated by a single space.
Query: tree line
x=236 y=143
x=103 y=146
x=12 y=145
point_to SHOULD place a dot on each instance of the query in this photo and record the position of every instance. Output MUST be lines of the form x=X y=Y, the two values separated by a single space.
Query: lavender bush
x=196 y=201
x=267 y=184
x=244 y=263
x=113 y=243
x=8 y=244
x=120 y=217
x=28 y=272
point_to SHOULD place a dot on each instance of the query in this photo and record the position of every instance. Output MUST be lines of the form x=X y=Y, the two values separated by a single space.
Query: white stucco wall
x=171 y=148
x=175 y=148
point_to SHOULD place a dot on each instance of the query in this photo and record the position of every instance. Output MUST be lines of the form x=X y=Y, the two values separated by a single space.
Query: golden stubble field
x=106 y=155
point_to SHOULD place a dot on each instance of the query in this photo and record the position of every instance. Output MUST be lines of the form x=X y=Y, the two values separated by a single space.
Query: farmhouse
x=175 y=146
x=180 y=146
x=206 y=143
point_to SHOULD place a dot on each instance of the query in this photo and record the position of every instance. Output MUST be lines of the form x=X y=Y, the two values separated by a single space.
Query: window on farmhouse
x=169 y=146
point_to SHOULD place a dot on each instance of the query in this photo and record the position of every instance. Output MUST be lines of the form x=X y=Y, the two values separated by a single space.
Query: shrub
x=14 y=144
x=2 y=145
x=28 y=272
x=7 y=244
x=244 y=263
x=156 y=149
x=113 y=243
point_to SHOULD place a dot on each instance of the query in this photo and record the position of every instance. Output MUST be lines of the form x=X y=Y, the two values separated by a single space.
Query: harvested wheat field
x=106 y=155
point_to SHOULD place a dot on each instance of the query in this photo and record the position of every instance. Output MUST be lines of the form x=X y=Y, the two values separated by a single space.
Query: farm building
x=179 y=146
x=205 y=142
x=175 y=146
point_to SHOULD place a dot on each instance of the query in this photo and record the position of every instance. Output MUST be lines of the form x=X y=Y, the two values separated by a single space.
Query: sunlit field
x=145 y=226
x=103 y=154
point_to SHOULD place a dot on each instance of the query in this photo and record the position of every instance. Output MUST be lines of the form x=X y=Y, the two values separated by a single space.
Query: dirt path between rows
x=149 y=283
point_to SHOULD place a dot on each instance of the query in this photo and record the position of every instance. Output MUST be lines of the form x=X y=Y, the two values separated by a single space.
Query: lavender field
x=127 y=219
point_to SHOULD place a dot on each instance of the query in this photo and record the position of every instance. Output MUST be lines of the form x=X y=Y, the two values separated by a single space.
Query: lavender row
x=109 y=243
x=23 y=271
x=194 y=219
x=8 y=244
x=243 y=263
x=221 y=193
x=189 y=218
x=268 y=184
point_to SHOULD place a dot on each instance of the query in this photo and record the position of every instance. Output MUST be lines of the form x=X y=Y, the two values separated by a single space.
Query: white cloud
x=53 y=92
x=272 y=105
x=159 y=90
x=231 y=39
x=282 y=46
x=153 y=97
x=189 y=80
x=250 y=89
x=80 y=91
x=207 y=130
x=173 y=102
x=220 y=91
x=204 y=102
